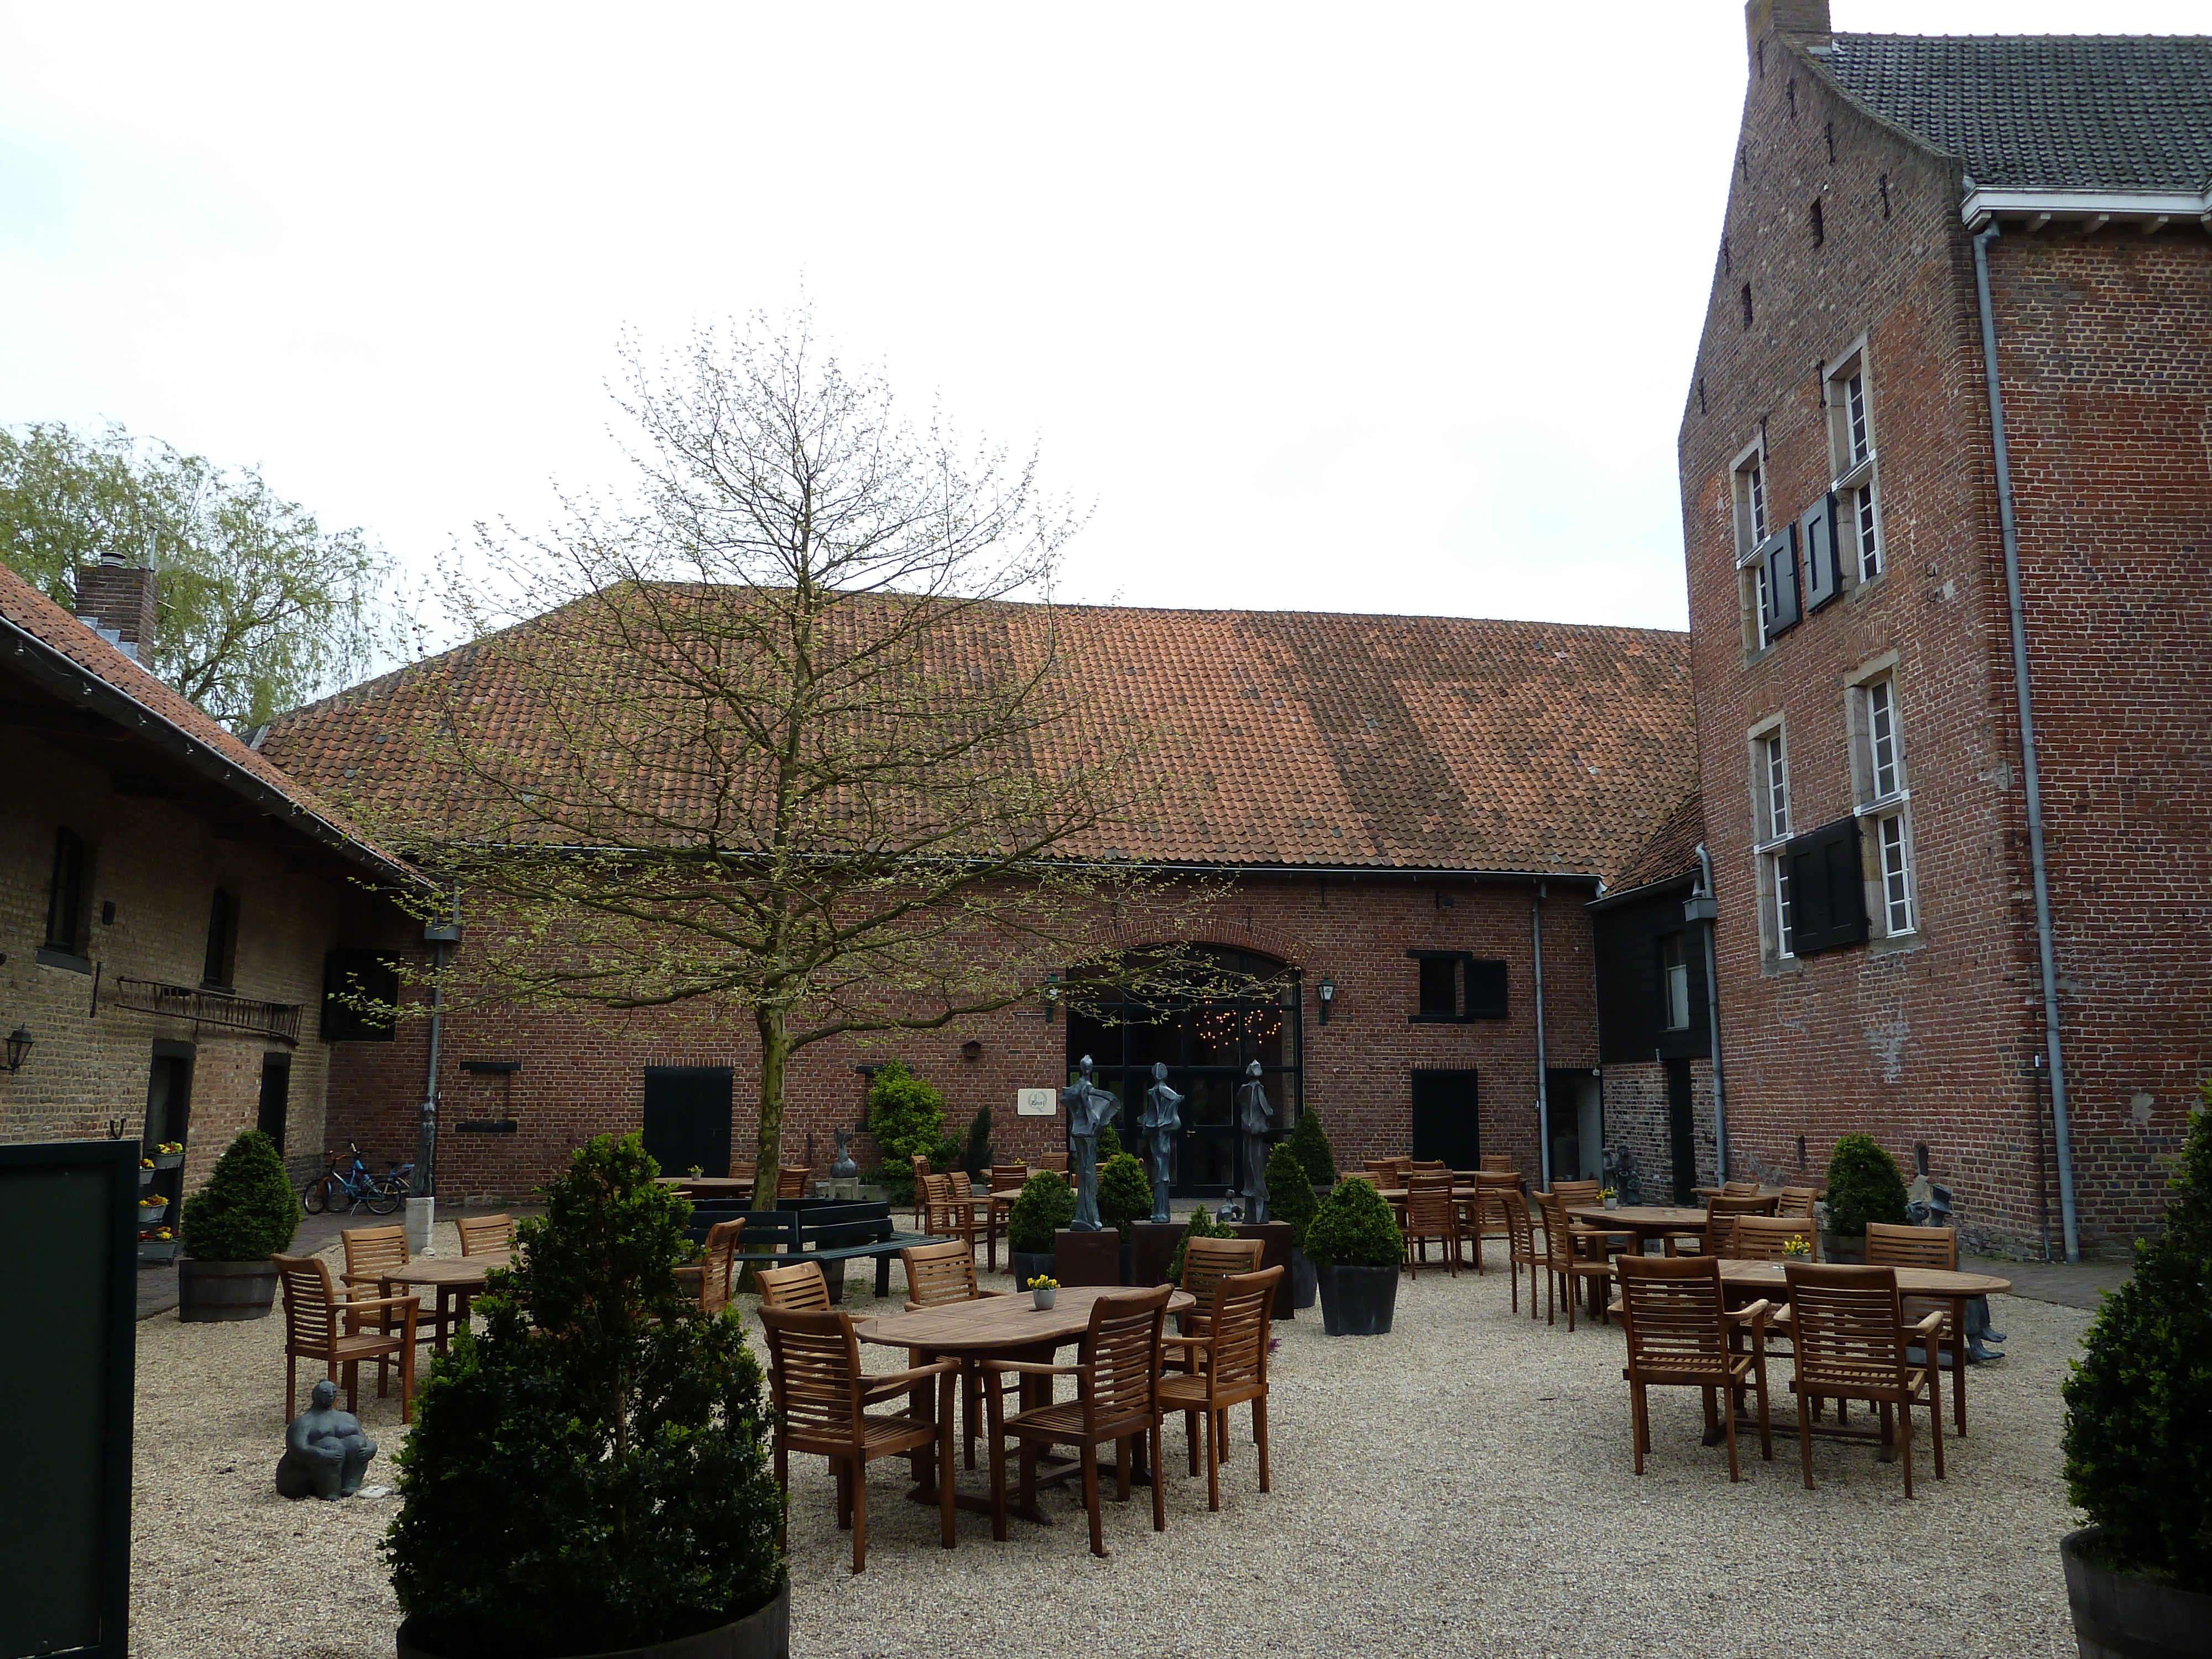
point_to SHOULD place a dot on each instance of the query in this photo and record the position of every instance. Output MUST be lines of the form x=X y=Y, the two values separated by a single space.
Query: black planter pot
x=209 y=1292
x=1026 y=1265
x=1842 y=1247
x=1303 y=1287
x=1356 y=1301
x=1128 y=1256
x=2118 y=1616
x=764 y=1634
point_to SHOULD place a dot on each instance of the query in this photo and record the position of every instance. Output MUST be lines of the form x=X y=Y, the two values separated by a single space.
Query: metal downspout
x=426 y=1141
x=1543 y=1094
x=1713 y=1011
x=2060 y=1133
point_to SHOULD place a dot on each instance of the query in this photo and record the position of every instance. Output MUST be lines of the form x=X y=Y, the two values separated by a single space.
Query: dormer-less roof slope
x=1294 y=740
x=1671 y=855
x=82 y=686
x=2034 y=113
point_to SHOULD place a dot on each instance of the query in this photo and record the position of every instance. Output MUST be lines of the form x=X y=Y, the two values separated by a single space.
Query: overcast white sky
x=1355 y=307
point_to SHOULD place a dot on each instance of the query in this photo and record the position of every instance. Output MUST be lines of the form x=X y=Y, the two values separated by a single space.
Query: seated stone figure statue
x=325 y=1453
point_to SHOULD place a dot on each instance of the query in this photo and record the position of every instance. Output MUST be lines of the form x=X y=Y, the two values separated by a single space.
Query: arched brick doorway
x=1207 y=1043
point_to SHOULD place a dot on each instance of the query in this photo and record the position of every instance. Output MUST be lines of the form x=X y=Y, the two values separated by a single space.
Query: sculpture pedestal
x=1087 y=1258
x=1275 y=1238
x=420 y=1212
x=847 y=1187
x=1156 y=1249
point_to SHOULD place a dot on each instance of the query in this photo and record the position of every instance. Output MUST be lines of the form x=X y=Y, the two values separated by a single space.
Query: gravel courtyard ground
x=1462 y=1486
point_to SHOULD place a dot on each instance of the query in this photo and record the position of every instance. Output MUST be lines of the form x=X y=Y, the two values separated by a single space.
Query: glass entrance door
x=1206 y=1043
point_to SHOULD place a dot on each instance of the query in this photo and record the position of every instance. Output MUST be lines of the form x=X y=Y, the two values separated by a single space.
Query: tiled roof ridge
x=30 y=612
x=2089 y=39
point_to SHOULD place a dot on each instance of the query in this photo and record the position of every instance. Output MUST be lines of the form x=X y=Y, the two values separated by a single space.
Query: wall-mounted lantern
x=19 y=1048
x=1051 y=995
x=1327 y=997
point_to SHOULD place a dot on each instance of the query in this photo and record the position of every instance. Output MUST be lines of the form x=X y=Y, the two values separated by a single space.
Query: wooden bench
x=822 y=1230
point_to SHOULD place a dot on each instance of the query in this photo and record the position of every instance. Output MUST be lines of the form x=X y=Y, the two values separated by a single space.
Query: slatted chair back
x=1239 y=1324
x=1499 y=1163
x=1796 y=1201
x=372 y=1250
x=1520 y=1225
x=793 y=1183
x=1670 y=1308
x=716 y=1272
x=482 y=1235
x=1721 y=1213
x=1055 y=1162
x=1006 y=1177
x=312 y=1309
x=742 y=1169
x=1207 y=1261
x=1575 y=1193
x=922 y=1170
x=1119 y=1366
x=801 y=1285
x=1430 y=1166
x=1429 y=1208
x=938 y=1273
x=814 y=1374
x=1740 y=1189
x=1848 y=1326
x=1719 y=1240
x=1761 y=1237
x=959 y=1183
x=1890 y=1245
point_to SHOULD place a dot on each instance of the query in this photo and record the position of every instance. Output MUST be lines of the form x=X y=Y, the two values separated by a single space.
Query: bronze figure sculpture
x=1090 y=1109
x=1253 y=1119
x=1160 y=1121
x=325 y=1453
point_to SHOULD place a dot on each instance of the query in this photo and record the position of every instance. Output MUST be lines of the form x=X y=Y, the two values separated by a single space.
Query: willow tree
x=768 y=738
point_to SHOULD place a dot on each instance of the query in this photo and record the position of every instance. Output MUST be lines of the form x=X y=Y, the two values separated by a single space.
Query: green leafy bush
x=1354 y=1228
x=2138 y=1436
x=975 y=1156
x=593 y=1475
x=247 y=1211
x=1124 y=1194
x=1863 y=1185
x=1047 y=1205
x=1290 y=1193
x=1313 y=1150
x=1202 y=1226
x=1109 y=1145
x=906 y=1115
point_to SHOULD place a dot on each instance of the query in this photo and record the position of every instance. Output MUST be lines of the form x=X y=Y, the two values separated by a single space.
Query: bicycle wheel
x=387 y=1194
x=315 y=1196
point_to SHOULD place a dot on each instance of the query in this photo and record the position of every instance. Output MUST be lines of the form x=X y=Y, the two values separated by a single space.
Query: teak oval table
x=456 y=1278
x=998 y=1328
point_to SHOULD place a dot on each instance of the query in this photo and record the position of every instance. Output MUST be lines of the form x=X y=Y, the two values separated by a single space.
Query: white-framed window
x=1851 y=454
x=1674 y=981
x=1885 y=801
x=1770 y=814
x=1753 y=528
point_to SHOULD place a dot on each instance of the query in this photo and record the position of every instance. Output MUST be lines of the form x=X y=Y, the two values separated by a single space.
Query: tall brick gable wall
x=1932 y=1039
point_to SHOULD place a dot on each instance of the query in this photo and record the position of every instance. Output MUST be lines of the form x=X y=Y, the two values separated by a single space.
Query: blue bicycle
x=381 y=1193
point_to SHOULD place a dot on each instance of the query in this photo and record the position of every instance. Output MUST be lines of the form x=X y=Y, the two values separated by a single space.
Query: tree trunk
x=775 y=1054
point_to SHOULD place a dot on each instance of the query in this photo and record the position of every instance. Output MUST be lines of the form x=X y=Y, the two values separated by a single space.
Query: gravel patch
x=1462 y=1486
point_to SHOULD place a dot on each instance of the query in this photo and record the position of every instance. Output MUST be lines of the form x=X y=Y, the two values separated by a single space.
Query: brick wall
x=1637 y=1123
x=580 y=1076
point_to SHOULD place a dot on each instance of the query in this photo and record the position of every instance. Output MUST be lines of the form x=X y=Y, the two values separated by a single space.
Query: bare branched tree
x=768 y=738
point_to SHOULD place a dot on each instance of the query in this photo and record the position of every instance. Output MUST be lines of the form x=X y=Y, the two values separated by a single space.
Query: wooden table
x=1756 y=1278
x=998 y=1328
x=457 y=1277
x=1644 y=1220
x=710 y=1185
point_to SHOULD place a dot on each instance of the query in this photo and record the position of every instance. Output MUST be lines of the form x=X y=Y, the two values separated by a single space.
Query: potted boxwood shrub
x=1047 y=1205
x=906 y=1117
x=1863 y=1185
x=1314 y=1152
x=1125 y=1197
x=1355 y=1247
x=244 y=1214
x=1290 y=1200
x=591 y=1476
x=2139 y=1438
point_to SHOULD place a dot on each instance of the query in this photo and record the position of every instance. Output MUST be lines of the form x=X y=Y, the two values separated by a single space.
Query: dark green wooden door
x=687 y=1118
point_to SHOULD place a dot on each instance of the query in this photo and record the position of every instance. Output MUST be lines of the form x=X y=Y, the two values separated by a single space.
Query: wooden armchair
x=1890 y=1245
x=1739 y=1190
x=1492 y=1189
x=1576 y=1256
x=1117 y=1399
x=793 y=1183
x=370 y=1253
x=1009 y=1177
x=482 y=1235
x=743 y=1168
x=1499 y=1163
x=1523 y=1252
x=1718 y=1237
x=821 y=1395
x=1226 y=1366
x=719 y=1268
x=937 y=1274
x=321 y=1323
x=1205 y=1263
x=1848 y=1324
x=1431 y=1211
x=1057 y=1163
x=1681 y=1333
x=1797 y=1200
x=1762 y=1237
x=800 y=1286
x=1436 y=1166
x=921 y=1173
x=980 y=1213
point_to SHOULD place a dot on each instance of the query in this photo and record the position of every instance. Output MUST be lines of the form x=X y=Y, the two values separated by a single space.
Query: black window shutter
x=1486 y=989
x=1782 y=581
x=1827 y=900
x=1818 y=526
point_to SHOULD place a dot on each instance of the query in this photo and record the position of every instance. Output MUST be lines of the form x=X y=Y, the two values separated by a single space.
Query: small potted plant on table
x=244 y=1214
x=2138 y=1439
x=1356 y=1248
x=1044 y=1291
x=1047 y=1205
x=1863 y=1185
x=1609 y=1196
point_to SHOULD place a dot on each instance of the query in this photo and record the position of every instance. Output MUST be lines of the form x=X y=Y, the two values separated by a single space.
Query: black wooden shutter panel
x=1780 y=551
x=1822 y=580
x=1486 y=989
x=1828 y=903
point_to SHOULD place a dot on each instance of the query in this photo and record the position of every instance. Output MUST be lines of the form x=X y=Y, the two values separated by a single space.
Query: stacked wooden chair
x=937 y=1274
x=1848 y=1324
x=485 y=1235
x=719 y=1269
x=1432 y=1213
x=322 y=1322
x=1681 y=1333
x=1225 y=1366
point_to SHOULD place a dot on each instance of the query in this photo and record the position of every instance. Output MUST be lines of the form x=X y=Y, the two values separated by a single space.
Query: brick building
x=1407 y=812
x=1939 y=876
x=171 y=901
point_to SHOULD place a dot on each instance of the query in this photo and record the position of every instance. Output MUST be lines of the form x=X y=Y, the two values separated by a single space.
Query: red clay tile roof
x=42 y=641
x=1298 y=739
x=1671 y=853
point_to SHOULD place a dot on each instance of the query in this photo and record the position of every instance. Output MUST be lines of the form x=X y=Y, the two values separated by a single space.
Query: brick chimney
x=1805 y=21
x=116 y=600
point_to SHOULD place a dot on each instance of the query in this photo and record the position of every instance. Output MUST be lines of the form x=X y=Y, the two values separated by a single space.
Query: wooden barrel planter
x=212 y=1291
x=2119 y=1616
x=764 y=1634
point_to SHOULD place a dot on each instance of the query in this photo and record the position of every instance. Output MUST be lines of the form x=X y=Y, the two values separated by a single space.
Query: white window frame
x=1883 y=788
x=1847 y=387
x=1770 y=831
x=1748 y=513
x=1675 y=981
